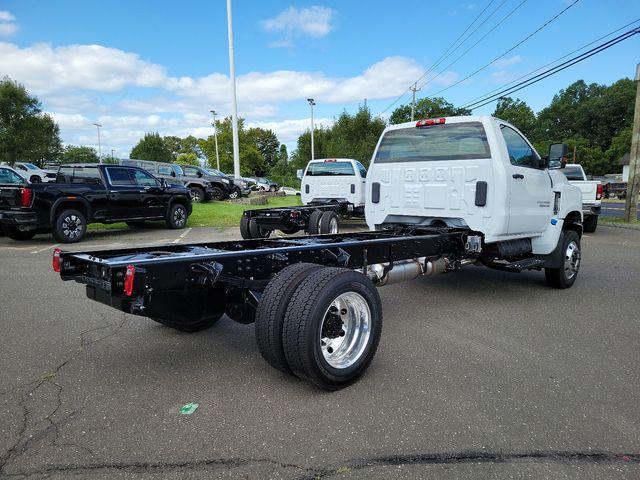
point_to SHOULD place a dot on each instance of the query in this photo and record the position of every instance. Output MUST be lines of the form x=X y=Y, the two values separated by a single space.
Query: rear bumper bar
x=21 y=220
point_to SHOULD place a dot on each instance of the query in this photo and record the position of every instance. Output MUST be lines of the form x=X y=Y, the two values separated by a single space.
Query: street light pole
x=234 y=103
x=311 y=104
x=633 y=184
x=112 y=158
x=215 y=138
x=99 y=146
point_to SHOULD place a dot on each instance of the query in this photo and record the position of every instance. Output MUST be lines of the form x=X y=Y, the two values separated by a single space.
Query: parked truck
x=331 y=188
x=441 y=194
x=592 y=191
x=89 y=193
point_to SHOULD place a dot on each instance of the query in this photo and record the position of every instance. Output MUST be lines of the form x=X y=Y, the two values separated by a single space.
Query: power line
x=541 y=76
x=551 y=20
x=470 y=102
x=446 y=53
x=477 y=42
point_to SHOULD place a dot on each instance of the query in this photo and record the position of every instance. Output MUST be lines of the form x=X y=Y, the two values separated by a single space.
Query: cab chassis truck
x=313 y=299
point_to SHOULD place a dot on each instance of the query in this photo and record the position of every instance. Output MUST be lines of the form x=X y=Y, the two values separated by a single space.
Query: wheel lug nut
x=343 y=311
x=333 y=309
x=342 y=333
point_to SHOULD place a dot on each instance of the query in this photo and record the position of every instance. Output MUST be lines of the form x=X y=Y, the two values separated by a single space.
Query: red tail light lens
x=431 y=121
x=599 y=192
x=26 y=197
x=56 y=260
x=129 y=276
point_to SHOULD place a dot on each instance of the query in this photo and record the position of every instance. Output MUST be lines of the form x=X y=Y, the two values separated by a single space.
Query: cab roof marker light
x=431 y=121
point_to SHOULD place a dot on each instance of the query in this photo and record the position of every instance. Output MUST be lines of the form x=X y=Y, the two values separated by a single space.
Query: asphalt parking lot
x=479 y=374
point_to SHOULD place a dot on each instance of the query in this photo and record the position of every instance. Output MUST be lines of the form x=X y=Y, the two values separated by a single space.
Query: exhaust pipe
x=386 y=274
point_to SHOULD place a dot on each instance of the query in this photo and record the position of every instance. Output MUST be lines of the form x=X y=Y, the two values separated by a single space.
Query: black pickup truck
x=84 y=194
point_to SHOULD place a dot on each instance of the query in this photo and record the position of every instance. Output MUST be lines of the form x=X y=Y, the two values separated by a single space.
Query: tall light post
x=99 y=146
x=311 y=104
x=215 y=137
x=112 y=157
x=234 y=103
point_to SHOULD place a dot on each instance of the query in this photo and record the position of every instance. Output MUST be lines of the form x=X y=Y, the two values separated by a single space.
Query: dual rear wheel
x=322 y=324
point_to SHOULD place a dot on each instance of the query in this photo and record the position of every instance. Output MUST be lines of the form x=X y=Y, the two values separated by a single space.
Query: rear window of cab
x=321 y=169
x=450 y=141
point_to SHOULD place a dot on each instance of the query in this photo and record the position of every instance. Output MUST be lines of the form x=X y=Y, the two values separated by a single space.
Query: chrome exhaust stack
x=387 y=274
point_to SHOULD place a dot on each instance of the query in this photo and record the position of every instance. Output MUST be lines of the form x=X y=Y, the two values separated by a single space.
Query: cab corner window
x=520 y=152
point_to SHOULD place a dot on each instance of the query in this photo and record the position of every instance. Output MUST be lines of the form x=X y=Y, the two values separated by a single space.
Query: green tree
x=74 y=154
x=302 y=154
x=283 y=154
x=179 y=146
x=517 y=113
x=152 y=147
x=620 y=145
x=26 y=133
x=267 y=144
x=427 y=108
x=188 y=159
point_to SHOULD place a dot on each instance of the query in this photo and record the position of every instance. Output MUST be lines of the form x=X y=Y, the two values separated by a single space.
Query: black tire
x=313 y=225
x=564 y=276
x=69 y=226
x=35 y=179
x=217 y=193
x=236 y=193
x=256 y=231
x=177 y=216
x=272 y=308
x=196 y=326
x=14 y=234
x=328 y=223
x=244 y=228
x=135 y=223
x=197 y=195
x=304 y=326
x=590 y=223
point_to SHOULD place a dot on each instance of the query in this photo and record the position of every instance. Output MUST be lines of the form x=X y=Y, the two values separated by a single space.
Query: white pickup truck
x=440 y=194
x=592 y=192
x=331 y=180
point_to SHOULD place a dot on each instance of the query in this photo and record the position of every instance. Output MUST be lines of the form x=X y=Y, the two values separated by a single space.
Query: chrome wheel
x=72 y=226
x=571 y=260
x=333 y=225
x=196 y=197
x=179 y=217
x=345 y=330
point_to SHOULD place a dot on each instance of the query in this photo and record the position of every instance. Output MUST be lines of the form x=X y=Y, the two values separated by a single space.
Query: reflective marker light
x=430 y=121
x=128 y=280
x=56 y=260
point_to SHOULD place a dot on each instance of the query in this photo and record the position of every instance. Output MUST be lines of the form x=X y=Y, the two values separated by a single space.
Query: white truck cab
x=476 y=172
x=331 y=180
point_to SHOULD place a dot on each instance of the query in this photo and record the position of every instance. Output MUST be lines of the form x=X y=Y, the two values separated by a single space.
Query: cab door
x=360 y=185
x=530 y=190
x=124 y=194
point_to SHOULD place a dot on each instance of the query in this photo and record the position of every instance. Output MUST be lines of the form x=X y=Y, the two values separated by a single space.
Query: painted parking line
x=50 y=247
x=186 y=232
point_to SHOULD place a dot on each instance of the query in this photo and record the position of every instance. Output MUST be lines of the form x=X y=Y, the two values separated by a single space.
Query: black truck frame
x=314 y=218
x=313 y=299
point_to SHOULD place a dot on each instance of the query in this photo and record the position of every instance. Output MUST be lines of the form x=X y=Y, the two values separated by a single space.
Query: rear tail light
x=26 y=197
x=599 y=191
x=129 y=277
x=430 y=121
x=56 y=260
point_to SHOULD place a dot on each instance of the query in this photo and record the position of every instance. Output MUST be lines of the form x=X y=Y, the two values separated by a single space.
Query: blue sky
x=161 y=66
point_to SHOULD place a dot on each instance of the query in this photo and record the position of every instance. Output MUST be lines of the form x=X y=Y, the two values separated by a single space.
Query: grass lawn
x=618 y=220
x=215 y=214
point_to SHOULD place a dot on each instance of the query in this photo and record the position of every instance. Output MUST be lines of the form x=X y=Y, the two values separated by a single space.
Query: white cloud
x=45 y=69
x=289 y=130
x=507 y=62
x=313 y=21
x=7 y=25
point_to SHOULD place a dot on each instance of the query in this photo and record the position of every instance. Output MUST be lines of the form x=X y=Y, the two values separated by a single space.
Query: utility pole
x=414 y=88
x=112 y=158
x=99 y=146
x=215 y=138
x=234 y=102
x=311 y=104
x=631 y=204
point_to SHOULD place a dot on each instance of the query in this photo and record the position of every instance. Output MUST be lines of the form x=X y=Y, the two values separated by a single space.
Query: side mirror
x=299 y=173
x=557 y=157
x=199 y=173
x=173 y=174
x=163 y=184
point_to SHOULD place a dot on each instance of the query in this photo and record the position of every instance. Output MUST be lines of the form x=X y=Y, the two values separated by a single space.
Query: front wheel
x=332 y=327
x=35 y=179
x=565 y=275
x=177 y=216
x=235 y=193
x=70 y=226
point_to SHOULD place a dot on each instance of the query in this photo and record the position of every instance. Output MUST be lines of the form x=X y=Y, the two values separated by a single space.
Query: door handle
x=518 y=175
